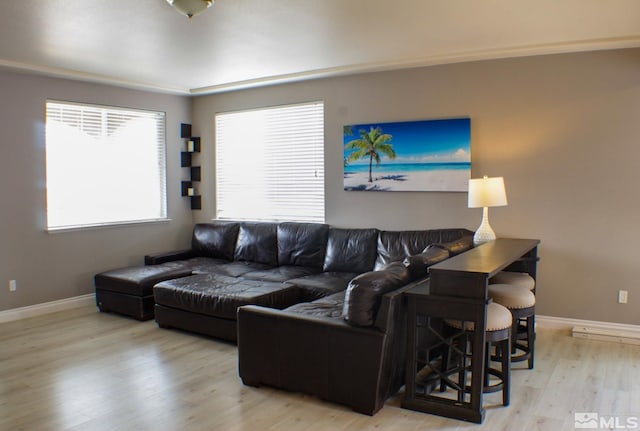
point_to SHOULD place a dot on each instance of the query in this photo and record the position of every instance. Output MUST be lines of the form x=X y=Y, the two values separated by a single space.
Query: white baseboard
x=46 y=308
x=592 y=329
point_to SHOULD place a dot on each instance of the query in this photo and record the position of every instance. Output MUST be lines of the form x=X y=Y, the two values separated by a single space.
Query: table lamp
x=484 y=193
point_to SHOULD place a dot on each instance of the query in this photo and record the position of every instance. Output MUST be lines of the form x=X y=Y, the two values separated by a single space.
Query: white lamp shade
x=487 y=192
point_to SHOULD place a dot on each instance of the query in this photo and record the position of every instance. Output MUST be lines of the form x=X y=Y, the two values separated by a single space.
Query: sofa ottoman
x=129 y=291
x=208 y=303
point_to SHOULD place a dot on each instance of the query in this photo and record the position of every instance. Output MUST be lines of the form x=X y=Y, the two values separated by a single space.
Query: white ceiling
x=242 y=43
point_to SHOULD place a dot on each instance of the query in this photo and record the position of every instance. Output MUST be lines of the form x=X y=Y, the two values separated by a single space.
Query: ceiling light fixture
x=190 y=8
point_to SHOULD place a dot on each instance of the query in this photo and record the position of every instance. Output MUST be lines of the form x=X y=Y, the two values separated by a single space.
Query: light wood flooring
x=84 y=370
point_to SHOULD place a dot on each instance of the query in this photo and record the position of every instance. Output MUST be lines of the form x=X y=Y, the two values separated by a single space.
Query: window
x=270 y=164
x=105 y=165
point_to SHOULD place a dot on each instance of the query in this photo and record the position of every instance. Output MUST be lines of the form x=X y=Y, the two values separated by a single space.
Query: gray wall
x=52 y=266
x=564 y=131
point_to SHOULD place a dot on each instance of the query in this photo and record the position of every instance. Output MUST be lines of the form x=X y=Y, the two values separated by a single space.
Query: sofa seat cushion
x=201 y=265
x=329 y=306
x=281 y=273
x=236 y=269
x=317 y=286
x=138 y=280
x=220 y=295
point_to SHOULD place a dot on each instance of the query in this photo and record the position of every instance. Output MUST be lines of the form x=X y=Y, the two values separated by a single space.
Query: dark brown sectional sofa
x=313 y=308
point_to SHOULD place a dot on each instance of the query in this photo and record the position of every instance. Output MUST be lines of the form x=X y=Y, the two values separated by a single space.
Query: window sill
x=104 y=225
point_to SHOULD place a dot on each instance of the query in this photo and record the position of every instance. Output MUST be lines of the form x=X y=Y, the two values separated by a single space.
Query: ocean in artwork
x=409 y=167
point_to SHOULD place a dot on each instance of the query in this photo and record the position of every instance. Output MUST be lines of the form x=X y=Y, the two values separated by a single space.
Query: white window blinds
x=270 y=164
x=105 y=165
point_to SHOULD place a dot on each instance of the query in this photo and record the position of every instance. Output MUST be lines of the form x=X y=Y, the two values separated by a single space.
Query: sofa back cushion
x=257 y=242
x=350 y=250
x=302 y=244
x=216 y=240
x=364 y=293
x=394 y=246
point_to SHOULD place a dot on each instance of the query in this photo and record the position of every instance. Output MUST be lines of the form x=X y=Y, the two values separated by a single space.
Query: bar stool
x=498 y=334
x=521 y=279
x=521 y=302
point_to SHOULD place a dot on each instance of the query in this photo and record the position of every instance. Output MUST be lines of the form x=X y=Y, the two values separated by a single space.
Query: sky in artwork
x=427 y=141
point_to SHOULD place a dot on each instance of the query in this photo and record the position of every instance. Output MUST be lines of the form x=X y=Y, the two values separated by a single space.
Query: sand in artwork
x=436 y=180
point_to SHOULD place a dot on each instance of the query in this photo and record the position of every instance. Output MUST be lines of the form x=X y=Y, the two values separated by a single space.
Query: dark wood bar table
x=456 y=289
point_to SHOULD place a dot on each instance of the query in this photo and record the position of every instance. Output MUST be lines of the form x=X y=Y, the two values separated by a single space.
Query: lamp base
x=484 y=233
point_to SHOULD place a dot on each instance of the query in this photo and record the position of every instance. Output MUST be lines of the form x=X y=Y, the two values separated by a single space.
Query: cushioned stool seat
x=521 y=303
x=129 y=291
x=498 y=334
x=498 y=318
x=521 y=279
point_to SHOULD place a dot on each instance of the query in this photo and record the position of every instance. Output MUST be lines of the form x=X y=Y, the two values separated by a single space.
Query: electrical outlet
x=13 y=285
x=622 y=296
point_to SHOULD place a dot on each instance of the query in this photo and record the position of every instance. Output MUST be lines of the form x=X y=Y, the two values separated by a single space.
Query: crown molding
x=76 y=75
x=434 y=60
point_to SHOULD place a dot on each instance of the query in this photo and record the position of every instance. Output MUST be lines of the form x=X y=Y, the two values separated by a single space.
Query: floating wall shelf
x=186 y=160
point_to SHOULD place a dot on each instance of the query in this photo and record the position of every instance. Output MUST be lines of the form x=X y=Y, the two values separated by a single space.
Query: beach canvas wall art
x=427 y=155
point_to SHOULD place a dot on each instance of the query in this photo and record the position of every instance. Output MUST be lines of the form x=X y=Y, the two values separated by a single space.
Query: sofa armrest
x=315 y=355
x=156 y=259
x=392 y=310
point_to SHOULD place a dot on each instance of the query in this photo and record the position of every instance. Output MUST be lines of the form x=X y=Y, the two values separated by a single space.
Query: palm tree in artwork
x=372 y=144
